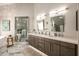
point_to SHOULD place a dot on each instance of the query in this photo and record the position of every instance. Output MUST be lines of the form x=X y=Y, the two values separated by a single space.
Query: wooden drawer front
x=70 y=45
x=55 y=41
x=30 y=36
x=37 y=37
x=46 y=39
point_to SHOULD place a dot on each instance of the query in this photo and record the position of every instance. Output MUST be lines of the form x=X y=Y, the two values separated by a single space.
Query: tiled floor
x=22 y=49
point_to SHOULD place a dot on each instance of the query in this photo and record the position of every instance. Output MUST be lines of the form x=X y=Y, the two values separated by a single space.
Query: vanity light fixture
x=60 y=11
x=41 y=16
x=63 y=11
x=38 y=17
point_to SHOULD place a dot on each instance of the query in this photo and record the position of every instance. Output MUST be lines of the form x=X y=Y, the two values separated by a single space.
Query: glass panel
x=5 y=25
x=21 y=28
x=57 y=23
x=40 y=25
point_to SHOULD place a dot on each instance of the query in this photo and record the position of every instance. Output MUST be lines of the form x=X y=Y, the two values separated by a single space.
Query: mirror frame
x=63 y=24
x=38 y=26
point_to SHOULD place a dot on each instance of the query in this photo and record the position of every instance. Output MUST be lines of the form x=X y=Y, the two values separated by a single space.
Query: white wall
x=32 y=10
x=70 y=27
x=70 y=18
x=11 y=11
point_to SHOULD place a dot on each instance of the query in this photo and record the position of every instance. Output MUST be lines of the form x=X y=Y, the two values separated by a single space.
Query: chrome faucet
x=55 y=34
x=47 y=33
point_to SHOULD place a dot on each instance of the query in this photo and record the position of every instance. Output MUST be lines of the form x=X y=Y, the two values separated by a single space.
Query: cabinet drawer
x=70 y=45
x=47 y=40
x=55 y=42
x=41 y=41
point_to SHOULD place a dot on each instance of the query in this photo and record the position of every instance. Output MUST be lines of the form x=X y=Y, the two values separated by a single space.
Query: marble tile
x=21 y=49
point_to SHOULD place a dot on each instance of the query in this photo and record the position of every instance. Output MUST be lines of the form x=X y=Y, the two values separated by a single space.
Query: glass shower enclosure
x=21 y=28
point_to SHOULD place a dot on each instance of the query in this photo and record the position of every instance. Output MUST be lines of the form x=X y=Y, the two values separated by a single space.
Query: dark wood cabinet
x=53 y=47
x=68 y=49
x=30 y=40
x=47 y=46
x=41 y=44
x=36 y=42
x=41 y=47
x=65 y=51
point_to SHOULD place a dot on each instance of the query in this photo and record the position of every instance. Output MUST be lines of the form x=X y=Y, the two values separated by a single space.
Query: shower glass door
x=21 y=28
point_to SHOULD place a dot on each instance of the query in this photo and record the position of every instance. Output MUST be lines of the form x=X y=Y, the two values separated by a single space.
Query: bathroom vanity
x=54 y=46
x=55 y=32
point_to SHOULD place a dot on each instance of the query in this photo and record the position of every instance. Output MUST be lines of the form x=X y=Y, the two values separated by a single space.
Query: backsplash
x=58 y=34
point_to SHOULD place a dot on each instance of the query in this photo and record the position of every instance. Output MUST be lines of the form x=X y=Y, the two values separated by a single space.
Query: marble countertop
x=69 y=40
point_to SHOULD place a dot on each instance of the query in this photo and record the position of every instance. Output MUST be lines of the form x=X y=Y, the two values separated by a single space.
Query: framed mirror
x=40 y=25
x=57 y=23
x=6 y=25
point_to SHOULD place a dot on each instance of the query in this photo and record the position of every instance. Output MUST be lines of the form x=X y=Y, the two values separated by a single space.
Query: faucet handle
x=55 y=34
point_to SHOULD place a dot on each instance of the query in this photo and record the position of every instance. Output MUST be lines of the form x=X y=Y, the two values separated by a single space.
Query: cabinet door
x=65 y=51
x=47 y=46
x=41 y=44
x=30 y=40
x=55 y=48
x=68 y=49
x=36 y=41
x=41 y=47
